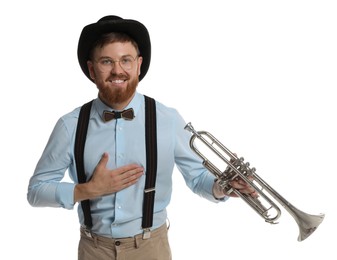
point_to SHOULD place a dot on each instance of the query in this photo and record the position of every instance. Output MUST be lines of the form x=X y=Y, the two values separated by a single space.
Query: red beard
x=118 y=96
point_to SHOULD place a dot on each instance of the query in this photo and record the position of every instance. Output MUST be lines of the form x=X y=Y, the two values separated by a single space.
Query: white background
x=259 y=75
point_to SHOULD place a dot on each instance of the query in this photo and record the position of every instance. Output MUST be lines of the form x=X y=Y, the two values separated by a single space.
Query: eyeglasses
x=107 y=64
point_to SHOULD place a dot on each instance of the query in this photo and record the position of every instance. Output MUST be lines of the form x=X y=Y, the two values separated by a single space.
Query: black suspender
x=81 y=134
x=151 y=161
x=151 y=164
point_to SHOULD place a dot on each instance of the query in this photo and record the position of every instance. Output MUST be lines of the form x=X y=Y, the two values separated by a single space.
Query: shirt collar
x=135 y=103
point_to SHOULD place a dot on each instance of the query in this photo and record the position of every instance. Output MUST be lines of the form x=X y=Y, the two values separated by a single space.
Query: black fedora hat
x=112 y=23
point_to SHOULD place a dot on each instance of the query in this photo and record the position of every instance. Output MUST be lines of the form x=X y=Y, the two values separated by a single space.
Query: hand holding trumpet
x=238 y=184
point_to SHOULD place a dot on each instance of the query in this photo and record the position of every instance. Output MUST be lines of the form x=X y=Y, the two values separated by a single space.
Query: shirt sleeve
x=46 y=188
x=196 y=176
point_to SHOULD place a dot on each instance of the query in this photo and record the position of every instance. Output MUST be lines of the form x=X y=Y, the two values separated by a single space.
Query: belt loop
x=168 y=223
x=137 y=241
x=95 y=241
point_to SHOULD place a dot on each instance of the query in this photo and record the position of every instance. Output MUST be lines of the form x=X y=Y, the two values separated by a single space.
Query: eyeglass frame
x=112 y=65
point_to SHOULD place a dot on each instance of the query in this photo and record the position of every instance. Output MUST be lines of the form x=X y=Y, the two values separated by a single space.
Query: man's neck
x=118 y=105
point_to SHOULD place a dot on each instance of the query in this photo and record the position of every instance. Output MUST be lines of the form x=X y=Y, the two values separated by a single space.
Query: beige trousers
x=136 y=248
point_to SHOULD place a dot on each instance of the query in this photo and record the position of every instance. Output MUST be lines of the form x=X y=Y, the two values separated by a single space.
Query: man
x=114 y=53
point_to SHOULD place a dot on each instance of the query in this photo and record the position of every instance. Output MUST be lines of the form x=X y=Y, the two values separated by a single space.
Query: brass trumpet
x=236 y=168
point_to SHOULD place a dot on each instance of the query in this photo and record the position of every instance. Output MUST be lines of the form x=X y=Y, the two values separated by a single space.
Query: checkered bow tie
x=127 y=114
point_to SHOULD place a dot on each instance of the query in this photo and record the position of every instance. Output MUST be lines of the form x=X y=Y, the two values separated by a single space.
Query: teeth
x=118 y=81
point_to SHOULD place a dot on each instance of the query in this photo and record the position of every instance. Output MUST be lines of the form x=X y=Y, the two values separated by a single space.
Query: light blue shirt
x=119 y=214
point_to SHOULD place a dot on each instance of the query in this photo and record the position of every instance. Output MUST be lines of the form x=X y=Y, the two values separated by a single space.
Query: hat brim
x=134 y=29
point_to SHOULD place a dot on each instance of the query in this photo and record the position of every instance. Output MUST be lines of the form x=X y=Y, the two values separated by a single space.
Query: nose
x=116 y=68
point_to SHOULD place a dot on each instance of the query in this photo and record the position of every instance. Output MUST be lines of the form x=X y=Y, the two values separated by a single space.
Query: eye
x=106 y=61
x=126 y=60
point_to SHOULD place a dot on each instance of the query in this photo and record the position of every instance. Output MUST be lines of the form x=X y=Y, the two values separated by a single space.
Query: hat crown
x=109 y=18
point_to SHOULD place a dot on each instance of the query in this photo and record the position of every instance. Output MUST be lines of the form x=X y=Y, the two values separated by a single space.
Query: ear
x=91 y=69
x=140 y=60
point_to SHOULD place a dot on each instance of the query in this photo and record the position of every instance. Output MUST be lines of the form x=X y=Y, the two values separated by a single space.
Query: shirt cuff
x=217 y=191
x=65 y=195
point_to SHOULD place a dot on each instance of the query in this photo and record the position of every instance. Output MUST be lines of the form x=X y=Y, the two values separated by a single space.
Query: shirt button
x=117 y=243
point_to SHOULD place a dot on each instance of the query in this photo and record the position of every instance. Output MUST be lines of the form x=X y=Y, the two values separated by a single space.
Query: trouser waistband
x=129 y=242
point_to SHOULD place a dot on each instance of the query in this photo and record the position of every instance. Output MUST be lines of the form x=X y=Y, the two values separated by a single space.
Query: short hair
x=111 y=38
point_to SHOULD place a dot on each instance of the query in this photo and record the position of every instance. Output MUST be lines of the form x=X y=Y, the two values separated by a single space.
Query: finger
x=134 y=174
x=104 y=160
x=250 y=191
x=238 y=185
x=254 y=194
x=131 y=167
x=131 y=177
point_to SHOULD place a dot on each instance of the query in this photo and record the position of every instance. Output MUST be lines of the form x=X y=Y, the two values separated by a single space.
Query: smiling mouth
x=117 y=81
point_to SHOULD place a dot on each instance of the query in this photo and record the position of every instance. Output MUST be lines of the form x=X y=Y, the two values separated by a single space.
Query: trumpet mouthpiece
x=189 y=127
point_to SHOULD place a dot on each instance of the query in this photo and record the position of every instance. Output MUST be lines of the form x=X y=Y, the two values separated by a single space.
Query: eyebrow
x=108 y=57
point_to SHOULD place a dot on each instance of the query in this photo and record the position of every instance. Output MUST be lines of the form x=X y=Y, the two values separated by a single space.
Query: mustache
x=119 y=77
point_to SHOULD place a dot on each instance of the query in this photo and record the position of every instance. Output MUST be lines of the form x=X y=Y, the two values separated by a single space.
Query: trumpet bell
x=307 y=223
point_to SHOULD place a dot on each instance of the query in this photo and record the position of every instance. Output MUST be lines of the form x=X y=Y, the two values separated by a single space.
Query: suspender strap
x=81 y=134
x=151 y=162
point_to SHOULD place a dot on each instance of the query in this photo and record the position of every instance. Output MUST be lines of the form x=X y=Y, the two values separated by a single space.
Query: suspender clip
x=87 y=231
x=146 y=233
x=149 y=190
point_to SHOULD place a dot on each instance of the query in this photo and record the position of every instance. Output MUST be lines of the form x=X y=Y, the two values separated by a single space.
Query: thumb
x=101 y=165
x=103 y=161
